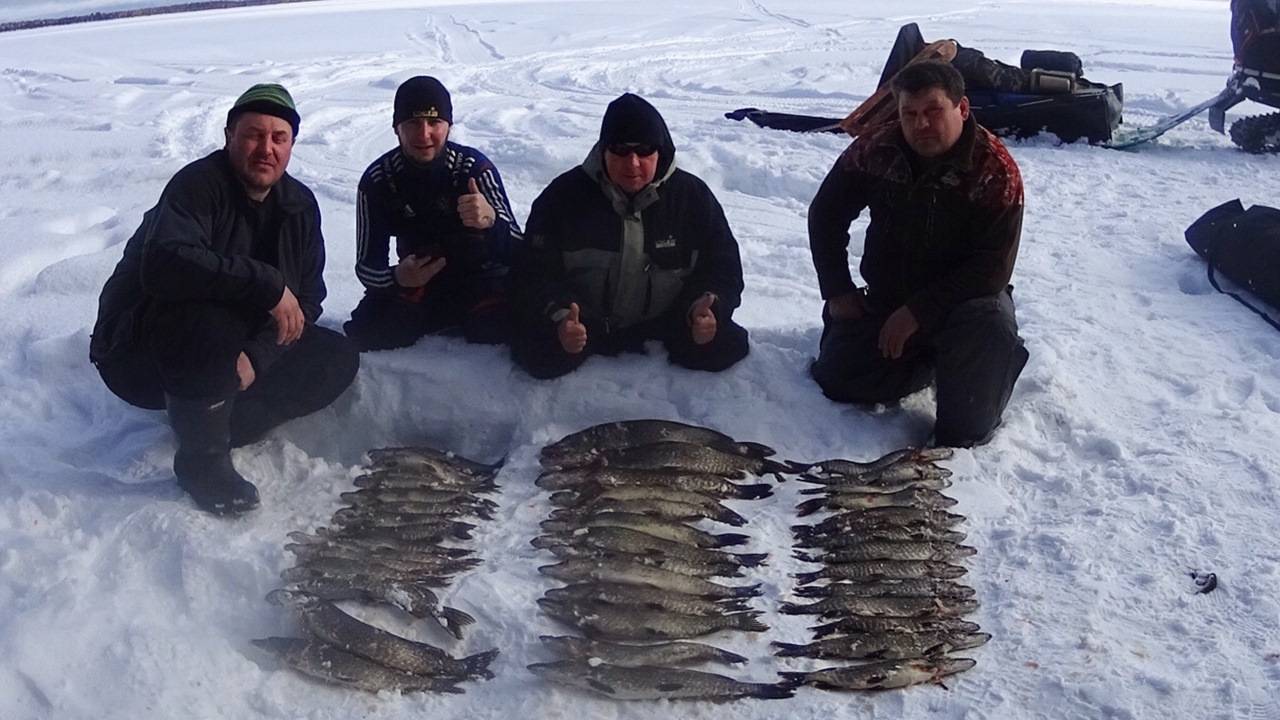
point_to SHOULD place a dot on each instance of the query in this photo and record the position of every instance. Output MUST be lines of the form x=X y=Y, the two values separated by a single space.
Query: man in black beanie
x=446 y=207
x=211 y=313
x=627 y=248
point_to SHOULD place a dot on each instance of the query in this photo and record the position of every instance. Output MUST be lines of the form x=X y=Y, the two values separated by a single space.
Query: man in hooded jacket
x=627 y=248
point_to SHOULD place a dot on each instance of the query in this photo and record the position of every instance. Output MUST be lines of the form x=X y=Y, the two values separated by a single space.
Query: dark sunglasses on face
x=625 y=149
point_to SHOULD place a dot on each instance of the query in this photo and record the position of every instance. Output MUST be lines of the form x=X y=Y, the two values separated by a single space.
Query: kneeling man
x=627 y=248
x=211 y=313
x=946 y=218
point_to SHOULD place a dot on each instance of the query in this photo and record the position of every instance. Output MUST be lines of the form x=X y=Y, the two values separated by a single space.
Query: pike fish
x=860 y=624
x=326 y=662
x=611 y=622
x=884 y=645
x=629 y=573
x=582 y=447
x=657 y=560
x=414 y=598
x=915 y=587
x=703 y=483
x=355 y=570
x=329 y=623
x=646 y=598
x=664 y=654
x=439 y=461
x=649 y=525
x=653 y=683
x=883 y=570
x=377 y=543
x=882 y=675
x=409 y=478
x=912 y=498
x=665 y=509
x=621 y=539
x=381 y=496
x=856 y=520
x=877 y=533
x=877 y=550
x=411 y=530
x=907 y=456
x=401 y=563
x=906 y=607
x=583 y=495
x=889 y=480
x=693 y=458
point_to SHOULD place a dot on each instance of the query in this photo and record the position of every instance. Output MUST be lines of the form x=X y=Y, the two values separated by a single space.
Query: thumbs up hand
x=571 y=332
x=702 y=321
x=474 y=208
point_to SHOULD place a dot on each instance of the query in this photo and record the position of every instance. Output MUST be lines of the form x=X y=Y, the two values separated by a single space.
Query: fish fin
x=752 y=492
x=747 y=591
x=729 y=517
x=748 y=622
x=555 y=526
x=813 y=591
x=601 y=687
x=772 y=691
x=787 y=608
x=809 y=507
x=478 y=665
x=789 y=649
x=727 y=539
x=825 y=629
x=807 y=557
x=751 y=559
x=454 y=620
x=806 y=578
x=794 y=679
x=730 y=658
x=757 y=450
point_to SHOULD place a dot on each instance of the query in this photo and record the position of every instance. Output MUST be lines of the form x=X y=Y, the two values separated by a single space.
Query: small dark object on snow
x=1205 y=582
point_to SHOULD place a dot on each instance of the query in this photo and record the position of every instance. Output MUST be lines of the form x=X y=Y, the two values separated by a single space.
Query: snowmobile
x=1255 y=38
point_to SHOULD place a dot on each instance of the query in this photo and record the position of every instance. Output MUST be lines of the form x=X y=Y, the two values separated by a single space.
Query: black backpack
x=1243 y=245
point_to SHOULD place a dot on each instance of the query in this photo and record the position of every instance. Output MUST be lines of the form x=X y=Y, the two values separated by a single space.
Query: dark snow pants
x=189 y=350
x=974 y=356
x=538 y=351
x=386 y=322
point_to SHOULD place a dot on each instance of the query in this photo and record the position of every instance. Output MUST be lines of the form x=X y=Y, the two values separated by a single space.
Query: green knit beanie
x=268 y=99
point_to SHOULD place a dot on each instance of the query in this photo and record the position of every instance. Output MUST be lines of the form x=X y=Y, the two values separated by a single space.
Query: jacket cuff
x=927 y=310
x=268 y=294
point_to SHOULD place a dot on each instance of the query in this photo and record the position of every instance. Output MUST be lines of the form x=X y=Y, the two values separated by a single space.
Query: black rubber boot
x=203 y=460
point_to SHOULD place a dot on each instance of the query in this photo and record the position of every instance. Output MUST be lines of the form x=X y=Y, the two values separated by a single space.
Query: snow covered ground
x=1140 y=442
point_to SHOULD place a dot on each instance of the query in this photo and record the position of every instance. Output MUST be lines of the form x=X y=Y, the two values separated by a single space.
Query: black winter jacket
x=578 y=252
x=939 y=234
x=196 y=244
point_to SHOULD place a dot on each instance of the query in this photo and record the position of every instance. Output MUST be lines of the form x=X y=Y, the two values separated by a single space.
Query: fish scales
x=325 y=662
x=877 y=550
x=582 y=447
x=884 y=569
x=654 y=683
x=674 y=564
x=611 y=622
x=695 y=458
x=442 y=462
x=650 y=525
x=860 y=624
x=629 y=573
x=908 y=607
x=888 y=533
x=704 y=483
x=627 y=540
x=915 y=587
x=884 y=646
x=679 y=652
x=414 y=598
x=883 y=675
x=646 y=597
x=665 y=509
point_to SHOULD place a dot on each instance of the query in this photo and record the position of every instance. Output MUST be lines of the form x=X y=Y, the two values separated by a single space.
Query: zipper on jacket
x=648 y=289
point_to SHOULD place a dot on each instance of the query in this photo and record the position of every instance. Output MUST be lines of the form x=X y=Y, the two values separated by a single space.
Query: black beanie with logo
x=422 y=96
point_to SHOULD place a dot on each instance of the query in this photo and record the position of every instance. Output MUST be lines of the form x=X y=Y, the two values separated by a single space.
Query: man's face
x=422 y=139
x=259 y=147
x=931 y=123
x=631 y=166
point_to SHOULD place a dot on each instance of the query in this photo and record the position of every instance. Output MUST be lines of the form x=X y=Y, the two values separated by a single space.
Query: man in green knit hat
x=211 y=313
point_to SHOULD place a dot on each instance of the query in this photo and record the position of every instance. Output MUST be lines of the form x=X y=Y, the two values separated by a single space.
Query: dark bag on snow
x=1058 y=60
x=1243 y=245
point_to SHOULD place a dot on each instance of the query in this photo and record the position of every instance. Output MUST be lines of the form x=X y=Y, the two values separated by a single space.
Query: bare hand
x=850 y=306
x=899 y=328
x=474 y=208
x=702 y=322
x=414 y=271
x=244 y=370
x=571 y=332
x=288 y=318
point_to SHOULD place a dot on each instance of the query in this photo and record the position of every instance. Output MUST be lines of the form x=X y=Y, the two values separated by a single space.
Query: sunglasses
x=625 y=149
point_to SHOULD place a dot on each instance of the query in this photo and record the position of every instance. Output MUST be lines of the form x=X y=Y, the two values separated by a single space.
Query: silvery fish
x=883 y=570
x=882 y=675
x=650 y=525
x=633 y=541
x=877 y=550
x=692 y=458
x=326 y=662
x=629 y=573
x=704 y=483
x=884 y=645
x=645 y=597
x=857 y=624
x=906 y=607
x=914 y=587
x=611 y=622
x=582 y=447
x=414 y=598
x=665 y=654
x=665 y=509
x=653 y=683
x=328 y=623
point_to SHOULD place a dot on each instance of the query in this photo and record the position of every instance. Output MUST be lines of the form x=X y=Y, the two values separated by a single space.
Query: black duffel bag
x=1243 y=245
x=1058 y=60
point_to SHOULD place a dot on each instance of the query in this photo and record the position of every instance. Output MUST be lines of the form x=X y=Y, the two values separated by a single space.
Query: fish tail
x=454 y=620
x=756 y=450
x=790 y=650
x=746 y=591
x=794 y=679
x=477 y=666
x=727 y=539
x=542 y=542
x=787 y=608
x=751 y=559
x=809 y=507
x=825 y=629
x=753 y=492
x=555 y=526
x=729 y=658
x=814 y=591
x=729 y=517
x=461 y=530
x=806 y=578
x=772 y=691
x=807 y=557
x=748 y=621
x=779 y=469
x=815 y=490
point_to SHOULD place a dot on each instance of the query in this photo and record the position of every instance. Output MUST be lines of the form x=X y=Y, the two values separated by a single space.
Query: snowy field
x=1140 y=444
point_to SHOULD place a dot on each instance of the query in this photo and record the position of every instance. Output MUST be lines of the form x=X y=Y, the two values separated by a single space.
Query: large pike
x=878 y=550
x=375 y=544
x=884 y=645
x=882 y=675
x=438 y=461
x=665 y=509
x=653 y=683
x=629 y=573
x=664 y=654
x=355 y=570
x=860 y=624
x=861 y=520
x=310 y=555
x=611 y=622
x=889 y=480
x=703 y=483
x=903 y=607
x=905 y=456
x=645 y=597
x=649 y=525
x=410 y=478
x=674 y=564
x=326 y=662
x=912 y=498
x=621 y=539
x=329 y=623
x=415 y=598
x=915 y=587
x=807 y=537
x=414 y=529
x=693 y=458
x=581 y=497
x=382 y=496
x=582 y=447
x=884 y=570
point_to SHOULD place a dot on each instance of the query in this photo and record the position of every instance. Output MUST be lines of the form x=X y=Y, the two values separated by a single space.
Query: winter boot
x=203 y=460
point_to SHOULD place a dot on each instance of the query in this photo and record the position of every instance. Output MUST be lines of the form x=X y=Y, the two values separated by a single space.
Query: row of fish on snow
x=640 y=575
